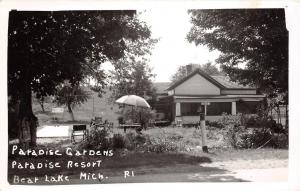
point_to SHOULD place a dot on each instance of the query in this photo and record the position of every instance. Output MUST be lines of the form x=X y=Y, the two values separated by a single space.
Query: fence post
x=203 y=132
x=202 y=113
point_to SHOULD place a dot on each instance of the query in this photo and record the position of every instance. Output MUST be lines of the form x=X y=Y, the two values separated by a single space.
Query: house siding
x=238 y=92
x=197 y=85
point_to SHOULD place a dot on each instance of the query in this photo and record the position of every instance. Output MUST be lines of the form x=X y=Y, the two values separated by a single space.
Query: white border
x=293 y=22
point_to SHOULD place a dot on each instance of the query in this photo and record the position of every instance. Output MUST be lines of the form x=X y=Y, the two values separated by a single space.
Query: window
x=217 y=108
x=190 y=109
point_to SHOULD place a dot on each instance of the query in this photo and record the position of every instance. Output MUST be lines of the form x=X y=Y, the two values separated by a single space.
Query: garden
x=160 y=150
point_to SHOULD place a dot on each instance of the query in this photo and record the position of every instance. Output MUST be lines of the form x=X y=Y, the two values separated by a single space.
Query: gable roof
x=221 y=82
x=197 y=71
x=225 y=81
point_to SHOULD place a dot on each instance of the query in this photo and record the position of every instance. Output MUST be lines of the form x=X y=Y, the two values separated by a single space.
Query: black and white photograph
x=148 y=95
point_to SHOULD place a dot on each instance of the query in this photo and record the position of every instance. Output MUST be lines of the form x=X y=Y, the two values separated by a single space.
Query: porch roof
x=218 y=98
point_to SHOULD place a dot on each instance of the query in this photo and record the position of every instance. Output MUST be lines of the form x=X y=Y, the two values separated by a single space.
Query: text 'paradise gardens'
x=55 y=152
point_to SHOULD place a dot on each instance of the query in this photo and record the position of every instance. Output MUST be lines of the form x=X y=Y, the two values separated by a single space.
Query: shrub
x=135 y=141
x=174 y=137
x=130 y=141
x=97 y=139
x=216 y=124
x=233 y=135
x=263 y=138
x=233 y=120
x=118 y=141
x=160 y=145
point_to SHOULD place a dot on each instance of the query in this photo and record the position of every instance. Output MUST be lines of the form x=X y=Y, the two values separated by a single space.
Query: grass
x=95 y=106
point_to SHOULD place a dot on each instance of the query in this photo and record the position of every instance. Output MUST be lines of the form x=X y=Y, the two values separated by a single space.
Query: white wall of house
x=171 y=92
x=197 y=85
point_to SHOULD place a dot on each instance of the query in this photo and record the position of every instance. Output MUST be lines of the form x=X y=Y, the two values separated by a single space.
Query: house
x=182 y=99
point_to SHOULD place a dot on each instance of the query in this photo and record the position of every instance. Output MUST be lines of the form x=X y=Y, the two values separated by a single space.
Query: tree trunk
x=42 y=106
x=71 y=112
x=27 y=122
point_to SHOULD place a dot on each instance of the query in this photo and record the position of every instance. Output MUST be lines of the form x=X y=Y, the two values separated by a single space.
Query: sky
x=173 y=50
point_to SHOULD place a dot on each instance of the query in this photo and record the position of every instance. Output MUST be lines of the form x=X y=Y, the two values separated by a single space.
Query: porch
x=187 y=108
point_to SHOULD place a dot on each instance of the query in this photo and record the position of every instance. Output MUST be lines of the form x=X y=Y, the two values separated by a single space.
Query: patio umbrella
x=133 y=100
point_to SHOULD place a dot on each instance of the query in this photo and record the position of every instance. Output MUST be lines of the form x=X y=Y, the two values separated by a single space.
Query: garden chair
x=78 y=130
x=96 y=123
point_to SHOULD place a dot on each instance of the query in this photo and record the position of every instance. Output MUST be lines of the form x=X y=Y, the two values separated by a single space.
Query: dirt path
x=233 y=171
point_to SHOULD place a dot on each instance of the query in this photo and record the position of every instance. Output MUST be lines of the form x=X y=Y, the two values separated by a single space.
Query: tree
x=132 y=74
x=41 y=101
x=135 y=79
x=47 y=48
x=182 y=72
x=257 y=38
x=70 y=95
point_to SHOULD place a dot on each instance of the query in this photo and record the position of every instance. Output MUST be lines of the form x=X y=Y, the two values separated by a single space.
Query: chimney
x=189 y=69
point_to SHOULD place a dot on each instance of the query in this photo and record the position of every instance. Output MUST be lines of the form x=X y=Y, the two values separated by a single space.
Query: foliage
x=216 y=124
x=71 y=95
x=264 y=132
x=257 y=38
x=161 y=145
x=134 y=78
x=97 y=140
x=132 y=74
x=231 y=120
x=47 y=47
x=208 y=68
x=137 y=115
x=233 y=135
x=262 y=138
x=118 y=141
x=135 y=141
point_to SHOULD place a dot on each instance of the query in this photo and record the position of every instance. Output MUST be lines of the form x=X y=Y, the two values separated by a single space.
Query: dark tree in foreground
x=257 y=38
x=47 y=48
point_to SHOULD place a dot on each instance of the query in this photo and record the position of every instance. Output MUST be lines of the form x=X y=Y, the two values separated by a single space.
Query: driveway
x=231 y=171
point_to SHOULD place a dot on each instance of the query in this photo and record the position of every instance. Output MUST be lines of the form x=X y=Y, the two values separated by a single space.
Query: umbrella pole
x=132 y=114
x=140 y=115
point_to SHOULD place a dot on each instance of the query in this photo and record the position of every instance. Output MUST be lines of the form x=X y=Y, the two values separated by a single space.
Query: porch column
x=178 y=120
x=233 y=108
x=178 y=110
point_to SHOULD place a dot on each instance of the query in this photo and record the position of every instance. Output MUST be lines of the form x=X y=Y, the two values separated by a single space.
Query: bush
x=118 y=141
x=130 y=141
x=263 y=138
x=145 y=143
x=216 y=124
x=160 y=145
x=97 y=139
x=233 y=135
x=231 y=120
x=135 y=141
x=174 y=137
